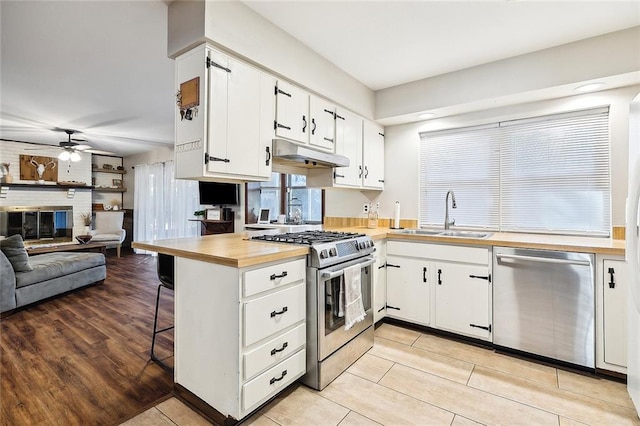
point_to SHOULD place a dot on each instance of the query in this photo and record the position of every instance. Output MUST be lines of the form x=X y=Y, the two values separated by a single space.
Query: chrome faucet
x=446 y=209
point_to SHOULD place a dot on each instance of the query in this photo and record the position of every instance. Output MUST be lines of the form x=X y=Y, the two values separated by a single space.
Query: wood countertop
x=237 y=251
x=224 y=249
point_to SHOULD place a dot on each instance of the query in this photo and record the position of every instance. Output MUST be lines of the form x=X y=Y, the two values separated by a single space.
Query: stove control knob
x=333 y=252
x=362 y=244
x=323 y=254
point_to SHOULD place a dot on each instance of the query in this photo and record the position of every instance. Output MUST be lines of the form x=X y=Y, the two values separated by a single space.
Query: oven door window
x=334 y=299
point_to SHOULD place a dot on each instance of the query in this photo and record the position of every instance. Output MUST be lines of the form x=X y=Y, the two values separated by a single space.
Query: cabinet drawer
x=273 y=380
x=274 y=351
x=272 y=277
x=270 y=314
x=461 y=254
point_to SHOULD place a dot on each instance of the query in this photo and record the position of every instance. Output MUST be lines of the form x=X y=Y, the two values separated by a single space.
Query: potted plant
x=87 y=217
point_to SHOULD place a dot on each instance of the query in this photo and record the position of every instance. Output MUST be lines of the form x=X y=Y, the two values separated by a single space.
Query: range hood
x=285 y=151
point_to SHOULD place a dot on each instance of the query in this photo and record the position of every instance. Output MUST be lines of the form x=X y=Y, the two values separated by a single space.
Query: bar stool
x=165 y=268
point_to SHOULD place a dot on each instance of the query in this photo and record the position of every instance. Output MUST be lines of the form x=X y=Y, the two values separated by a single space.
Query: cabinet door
x=292 y=113
x=380 y=282
x=373 y=156
x=408 y=289
x=615 y=313
x=190 y=136
x=462 y=299
x=349 y=144
x=323 y=123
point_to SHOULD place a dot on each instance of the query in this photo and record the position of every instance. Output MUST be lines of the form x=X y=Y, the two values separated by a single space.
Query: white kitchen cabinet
x=611 y=314
x=292 y=113
x=372 y=156
x=407 y=289
x=443 y=286
x=362 y=142
x=240 y=335
x=323 y=124
x=228 y=136
x=462 y=299
x=380 y=282
x=349 y=144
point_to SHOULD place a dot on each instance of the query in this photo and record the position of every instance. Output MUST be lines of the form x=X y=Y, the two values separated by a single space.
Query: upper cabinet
x=224 y=119
x=349 y=144
x=372 y=156
x=292 y=113
x=323 y=124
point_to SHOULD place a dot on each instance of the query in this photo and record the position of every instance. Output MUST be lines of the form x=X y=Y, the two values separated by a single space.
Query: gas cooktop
x=327 y=247
x=308 y=237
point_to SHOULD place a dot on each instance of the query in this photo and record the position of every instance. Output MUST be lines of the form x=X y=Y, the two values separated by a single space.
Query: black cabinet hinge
x=488 y=328
x=210 y=64
x=481 y=277
x=392 y=307
x=280 y=92
x=208 y=158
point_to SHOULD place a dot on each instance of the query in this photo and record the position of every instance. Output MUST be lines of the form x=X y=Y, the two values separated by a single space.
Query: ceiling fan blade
x=82 y=147
x=96 y=151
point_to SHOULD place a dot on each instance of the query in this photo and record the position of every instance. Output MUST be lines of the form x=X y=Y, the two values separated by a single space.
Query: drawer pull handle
x=275 y=351
x=282 y=275
x=274 y=313
x=273 y=379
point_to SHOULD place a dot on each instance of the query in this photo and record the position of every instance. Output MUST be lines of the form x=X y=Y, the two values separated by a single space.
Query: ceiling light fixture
x=75 y=157
x=426 y=115
x=64 y=156
x=589 y=87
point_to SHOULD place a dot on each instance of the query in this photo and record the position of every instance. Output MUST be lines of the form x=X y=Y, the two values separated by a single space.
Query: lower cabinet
x=611 y=314
x=442 y=286
x=407 y=289
x=463 y=299
x=240 y=335
x=380 y=282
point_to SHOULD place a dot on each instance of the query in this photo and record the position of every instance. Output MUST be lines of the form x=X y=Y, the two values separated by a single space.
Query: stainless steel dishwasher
x=543 y=303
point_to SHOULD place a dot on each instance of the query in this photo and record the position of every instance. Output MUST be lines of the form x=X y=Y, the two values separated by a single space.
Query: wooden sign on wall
x=32 y=166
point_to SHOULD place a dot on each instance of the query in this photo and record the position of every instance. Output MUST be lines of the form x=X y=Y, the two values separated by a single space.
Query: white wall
x=613 y=54
x=402 y=152
x=238 y=29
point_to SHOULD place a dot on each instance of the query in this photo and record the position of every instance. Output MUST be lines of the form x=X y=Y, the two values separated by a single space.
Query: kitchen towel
x=354 y=308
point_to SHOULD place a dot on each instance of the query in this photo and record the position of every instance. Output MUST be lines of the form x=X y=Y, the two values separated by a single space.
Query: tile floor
x=410 y=378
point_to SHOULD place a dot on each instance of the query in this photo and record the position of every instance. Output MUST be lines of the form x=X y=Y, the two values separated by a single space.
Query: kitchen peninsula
x=236 y=345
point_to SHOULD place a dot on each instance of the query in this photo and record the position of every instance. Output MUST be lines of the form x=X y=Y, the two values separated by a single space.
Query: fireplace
x=37 y=223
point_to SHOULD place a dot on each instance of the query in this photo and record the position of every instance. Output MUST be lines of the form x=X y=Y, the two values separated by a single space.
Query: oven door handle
x=336 y=274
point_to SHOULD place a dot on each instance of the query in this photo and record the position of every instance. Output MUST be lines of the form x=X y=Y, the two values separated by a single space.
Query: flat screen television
x=215 y=193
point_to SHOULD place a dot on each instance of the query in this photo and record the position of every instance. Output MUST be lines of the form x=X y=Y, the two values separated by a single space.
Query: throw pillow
x=109 y=222
x=13 y=248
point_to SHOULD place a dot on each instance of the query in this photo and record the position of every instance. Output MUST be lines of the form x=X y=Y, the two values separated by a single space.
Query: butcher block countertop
x=237 y=251
x=225 y=249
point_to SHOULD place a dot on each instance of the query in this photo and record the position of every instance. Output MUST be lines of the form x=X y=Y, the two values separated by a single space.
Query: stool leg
x=155 y=326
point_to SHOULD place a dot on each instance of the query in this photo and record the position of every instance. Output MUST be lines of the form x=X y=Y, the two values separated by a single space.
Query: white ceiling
x=101 y=67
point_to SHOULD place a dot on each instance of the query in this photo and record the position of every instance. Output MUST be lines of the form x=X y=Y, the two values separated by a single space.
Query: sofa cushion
x=53 y=265
x=106 y=237
x=13 y=248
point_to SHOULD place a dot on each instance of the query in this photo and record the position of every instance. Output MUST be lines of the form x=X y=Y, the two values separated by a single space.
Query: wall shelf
x=110 y=189
x=115 y=172
x=44 y=186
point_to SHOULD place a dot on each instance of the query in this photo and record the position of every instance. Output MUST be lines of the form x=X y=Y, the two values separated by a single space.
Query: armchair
x=108 y=229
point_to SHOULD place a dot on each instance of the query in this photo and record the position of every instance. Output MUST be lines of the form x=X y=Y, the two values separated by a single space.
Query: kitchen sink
x=419 y=232
x=448 y=233
x=465 y=234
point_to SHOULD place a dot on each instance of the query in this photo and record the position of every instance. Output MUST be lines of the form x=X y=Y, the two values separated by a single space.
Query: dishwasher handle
x=543 y=259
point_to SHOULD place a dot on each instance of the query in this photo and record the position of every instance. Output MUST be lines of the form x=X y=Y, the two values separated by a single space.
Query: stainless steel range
x=330 y=348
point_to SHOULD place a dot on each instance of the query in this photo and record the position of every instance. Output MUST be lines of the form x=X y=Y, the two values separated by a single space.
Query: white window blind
x=551 y=176
x=466 y=161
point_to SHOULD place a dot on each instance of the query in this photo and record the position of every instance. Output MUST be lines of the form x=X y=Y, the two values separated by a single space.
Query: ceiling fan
x=71 y=149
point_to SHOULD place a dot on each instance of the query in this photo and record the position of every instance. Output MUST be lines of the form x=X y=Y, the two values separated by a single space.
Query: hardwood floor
x=83 y=358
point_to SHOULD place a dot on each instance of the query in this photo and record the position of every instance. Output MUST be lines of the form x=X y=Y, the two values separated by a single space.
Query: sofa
x=28 y=279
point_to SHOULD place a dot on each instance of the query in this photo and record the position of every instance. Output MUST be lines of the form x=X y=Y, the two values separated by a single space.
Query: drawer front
x=273 y=380
x=461 y=254
x=273 y=313
x=274 y=351
x=271 y=277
